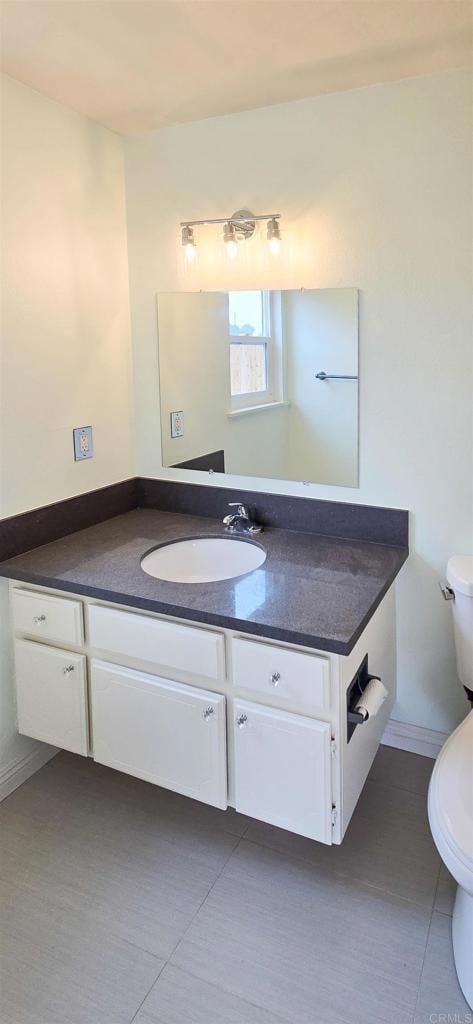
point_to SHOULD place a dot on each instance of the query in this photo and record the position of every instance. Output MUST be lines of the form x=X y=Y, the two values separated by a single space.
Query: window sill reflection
x=256 y=408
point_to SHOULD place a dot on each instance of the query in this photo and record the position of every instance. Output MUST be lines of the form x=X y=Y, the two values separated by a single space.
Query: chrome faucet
x=240 y=521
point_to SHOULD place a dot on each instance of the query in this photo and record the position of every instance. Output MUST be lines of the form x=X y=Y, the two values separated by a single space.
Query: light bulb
x=274 y=237
x=188 y=242
x=229 y=238
x=232 y=248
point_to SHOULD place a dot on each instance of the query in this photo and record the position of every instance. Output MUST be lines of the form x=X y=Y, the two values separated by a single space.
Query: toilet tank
x=460 y=580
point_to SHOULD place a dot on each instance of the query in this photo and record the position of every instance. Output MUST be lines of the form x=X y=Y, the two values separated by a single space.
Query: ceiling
x=135 y=65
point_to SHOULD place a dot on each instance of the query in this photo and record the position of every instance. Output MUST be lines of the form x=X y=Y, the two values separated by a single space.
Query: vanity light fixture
x=237 y=228
x=188 y=242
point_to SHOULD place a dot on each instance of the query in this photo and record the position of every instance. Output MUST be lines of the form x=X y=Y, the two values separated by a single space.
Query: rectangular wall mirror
x=261 y=383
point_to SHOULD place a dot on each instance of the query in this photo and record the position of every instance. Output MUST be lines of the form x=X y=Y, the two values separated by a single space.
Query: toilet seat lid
x=452 y=783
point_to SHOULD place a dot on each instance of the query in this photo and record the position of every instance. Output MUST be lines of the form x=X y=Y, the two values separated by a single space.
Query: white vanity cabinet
x=159 y=730
x=214 y=714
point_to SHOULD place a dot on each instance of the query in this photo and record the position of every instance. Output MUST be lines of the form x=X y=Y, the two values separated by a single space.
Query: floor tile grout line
x=299 y=860
x=341 y=874
x=228 y=991
x=384 y=784
x=163 y=965
x=423 y=964
x=397 y=787
x=435 y=909
x=379 y=779
x=167 y=960
x=257 y=1006
x=30 y=888
x=181 y=937
x=246 y=830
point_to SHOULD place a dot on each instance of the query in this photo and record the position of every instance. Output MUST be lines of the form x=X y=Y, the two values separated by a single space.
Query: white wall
x=65 y=311
x=65 y=335
x=374 y=187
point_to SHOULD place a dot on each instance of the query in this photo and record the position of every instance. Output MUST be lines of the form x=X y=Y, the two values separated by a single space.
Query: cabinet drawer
x=159 y=730
x=167 y=645
x=282 y=770
x=51 y=695
x=289 y=675
x=47 y=617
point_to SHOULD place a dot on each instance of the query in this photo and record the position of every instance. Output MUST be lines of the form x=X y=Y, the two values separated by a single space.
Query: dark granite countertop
x=311 y=590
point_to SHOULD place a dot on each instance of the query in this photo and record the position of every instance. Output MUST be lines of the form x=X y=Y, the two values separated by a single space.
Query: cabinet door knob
x=207 y=713
x=67 y=669
x=39 y=618
x=241 y=721
x=275 y=677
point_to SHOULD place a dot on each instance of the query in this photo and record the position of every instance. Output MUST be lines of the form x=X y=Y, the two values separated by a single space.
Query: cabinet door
x=282 y=770
x=51 y=695
x=159 y=730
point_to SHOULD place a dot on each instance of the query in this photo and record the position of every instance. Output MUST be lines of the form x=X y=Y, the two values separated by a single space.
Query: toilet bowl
x=450 y=807
x=450 y=801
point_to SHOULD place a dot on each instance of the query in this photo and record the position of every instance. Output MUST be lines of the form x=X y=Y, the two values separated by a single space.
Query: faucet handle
x=241 y=509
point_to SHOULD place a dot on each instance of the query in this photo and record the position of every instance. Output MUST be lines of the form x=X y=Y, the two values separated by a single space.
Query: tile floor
x=122 y=902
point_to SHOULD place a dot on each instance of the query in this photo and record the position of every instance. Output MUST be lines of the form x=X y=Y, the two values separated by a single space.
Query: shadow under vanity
x=232 y=692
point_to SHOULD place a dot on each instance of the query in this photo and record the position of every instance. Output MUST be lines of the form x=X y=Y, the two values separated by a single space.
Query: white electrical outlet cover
x=83 y=443
x=177 y=424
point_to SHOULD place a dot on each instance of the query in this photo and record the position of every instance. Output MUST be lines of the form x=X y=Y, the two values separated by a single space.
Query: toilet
x=450 y=801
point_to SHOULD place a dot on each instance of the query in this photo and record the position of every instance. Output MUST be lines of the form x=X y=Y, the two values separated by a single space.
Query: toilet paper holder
x=357 y=686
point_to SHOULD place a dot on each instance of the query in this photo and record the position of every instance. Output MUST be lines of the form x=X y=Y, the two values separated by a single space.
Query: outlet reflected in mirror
x=267 y=382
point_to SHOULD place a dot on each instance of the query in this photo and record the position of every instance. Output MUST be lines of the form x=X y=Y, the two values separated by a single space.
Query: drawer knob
x=207 y=713
x=275 y=678
x=67 y=669
x=39 y=618
x=241 y=721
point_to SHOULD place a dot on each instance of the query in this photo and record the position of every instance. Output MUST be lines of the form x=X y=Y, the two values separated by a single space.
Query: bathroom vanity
x=234 y=693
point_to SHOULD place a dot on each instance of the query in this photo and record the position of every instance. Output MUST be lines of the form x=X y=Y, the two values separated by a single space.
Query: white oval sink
x=204 y=560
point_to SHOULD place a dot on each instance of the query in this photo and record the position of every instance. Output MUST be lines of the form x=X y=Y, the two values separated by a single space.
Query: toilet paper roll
x=371 y=699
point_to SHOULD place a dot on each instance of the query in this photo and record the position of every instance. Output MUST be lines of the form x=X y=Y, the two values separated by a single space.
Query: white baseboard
x=413 y=738
x=17 y=772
